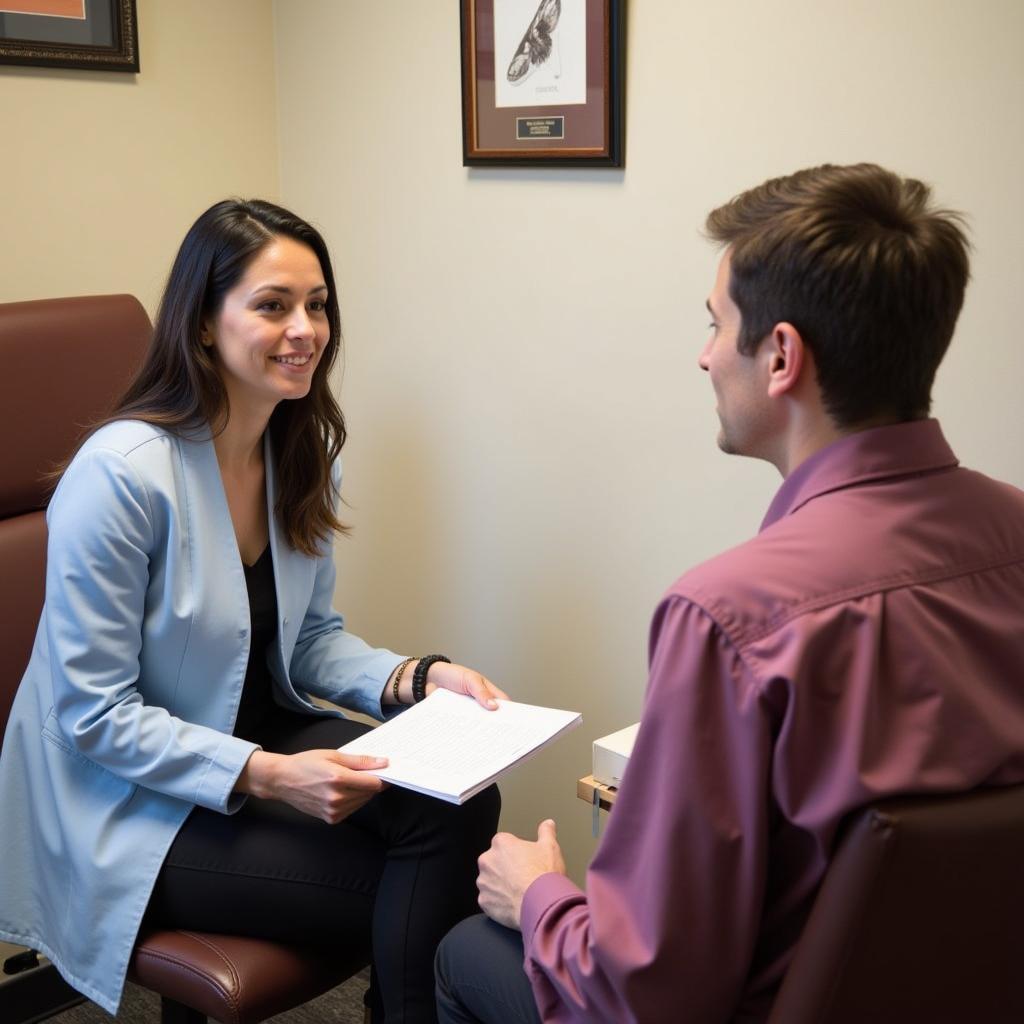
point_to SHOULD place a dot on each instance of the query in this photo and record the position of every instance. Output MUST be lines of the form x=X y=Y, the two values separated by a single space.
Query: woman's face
x=272 y=328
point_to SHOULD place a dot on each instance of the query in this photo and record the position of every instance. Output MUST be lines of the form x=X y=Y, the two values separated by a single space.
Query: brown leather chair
x=64 y=362
x=920 y=918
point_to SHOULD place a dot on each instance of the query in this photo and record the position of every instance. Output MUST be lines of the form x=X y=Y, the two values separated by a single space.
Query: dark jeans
x=480 y=976
x=392 y=878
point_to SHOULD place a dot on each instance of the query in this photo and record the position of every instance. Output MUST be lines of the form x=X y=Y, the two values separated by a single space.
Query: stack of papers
x=450 y=747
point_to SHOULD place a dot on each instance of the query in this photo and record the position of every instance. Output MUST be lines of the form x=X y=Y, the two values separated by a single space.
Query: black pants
x=480 y=976
x=392 y=878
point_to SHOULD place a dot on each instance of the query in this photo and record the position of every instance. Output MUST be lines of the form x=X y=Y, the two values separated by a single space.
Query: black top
x=257 y=704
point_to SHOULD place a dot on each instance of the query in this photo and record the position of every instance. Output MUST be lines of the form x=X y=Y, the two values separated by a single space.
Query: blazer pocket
x=116 y=786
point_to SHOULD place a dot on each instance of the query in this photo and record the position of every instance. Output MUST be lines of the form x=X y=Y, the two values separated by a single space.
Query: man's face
x=740 y=381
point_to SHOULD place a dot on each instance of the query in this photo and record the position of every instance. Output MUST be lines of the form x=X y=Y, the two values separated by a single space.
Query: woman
x=164 y=758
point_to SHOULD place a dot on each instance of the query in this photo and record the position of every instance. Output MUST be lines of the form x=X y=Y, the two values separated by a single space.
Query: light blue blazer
x=122 y=723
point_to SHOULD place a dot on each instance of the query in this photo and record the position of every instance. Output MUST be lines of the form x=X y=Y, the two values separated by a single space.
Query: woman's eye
x=270 y=306
x=318 y=305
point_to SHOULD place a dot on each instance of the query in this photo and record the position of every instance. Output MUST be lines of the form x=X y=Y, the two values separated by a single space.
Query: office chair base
x=33 y=995
x=177 y=1013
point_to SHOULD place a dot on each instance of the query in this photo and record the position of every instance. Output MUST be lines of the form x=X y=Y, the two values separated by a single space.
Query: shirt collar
x=915 y=447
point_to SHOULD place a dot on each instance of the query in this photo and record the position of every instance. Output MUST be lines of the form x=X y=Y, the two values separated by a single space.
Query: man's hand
x=510 y=867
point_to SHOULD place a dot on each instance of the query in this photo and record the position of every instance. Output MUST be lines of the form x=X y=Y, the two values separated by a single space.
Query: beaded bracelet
x=398 y=677
x=419 y=675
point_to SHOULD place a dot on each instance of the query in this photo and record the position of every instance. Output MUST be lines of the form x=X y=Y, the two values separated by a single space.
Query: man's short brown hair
x=866 y=269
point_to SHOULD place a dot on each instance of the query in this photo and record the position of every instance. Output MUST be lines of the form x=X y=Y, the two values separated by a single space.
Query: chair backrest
x=65 y=361
x=920 y=917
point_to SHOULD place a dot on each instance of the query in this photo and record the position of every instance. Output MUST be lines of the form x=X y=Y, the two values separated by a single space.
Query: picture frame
x=87 y=35
x=542 y=83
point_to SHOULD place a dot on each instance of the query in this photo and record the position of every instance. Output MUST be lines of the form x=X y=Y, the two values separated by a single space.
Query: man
x=868 y=641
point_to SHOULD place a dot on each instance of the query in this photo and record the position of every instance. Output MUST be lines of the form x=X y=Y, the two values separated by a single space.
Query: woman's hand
x=460 y=679
x=456 y=678
x=323 y=783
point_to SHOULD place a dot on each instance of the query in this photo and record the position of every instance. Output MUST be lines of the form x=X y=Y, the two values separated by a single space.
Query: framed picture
x=91 y=35
x=542 y=82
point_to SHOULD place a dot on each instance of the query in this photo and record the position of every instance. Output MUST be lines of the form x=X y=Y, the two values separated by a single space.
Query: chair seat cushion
x=233 y=979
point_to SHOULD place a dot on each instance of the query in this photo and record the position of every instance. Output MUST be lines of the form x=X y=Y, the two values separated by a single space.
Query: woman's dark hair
x=865 y=267
x=179 y=388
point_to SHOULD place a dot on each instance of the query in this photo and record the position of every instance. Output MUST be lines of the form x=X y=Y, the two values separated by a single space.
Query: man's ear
x=788 y=359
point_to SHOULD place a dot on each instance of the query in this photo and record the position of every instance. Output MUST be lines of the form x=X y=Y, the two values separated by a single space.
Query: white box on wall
x=611 y=755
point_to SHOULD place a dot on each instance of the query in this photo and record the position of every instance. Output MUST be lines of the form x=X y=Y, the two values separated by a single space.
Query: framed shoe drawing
x=542 y=82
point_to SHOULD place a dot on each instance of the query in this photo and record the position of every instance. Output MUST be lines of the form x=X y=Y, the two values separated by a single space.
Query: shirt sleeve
x=667 y=927
x=332 y=663
x=101 y=540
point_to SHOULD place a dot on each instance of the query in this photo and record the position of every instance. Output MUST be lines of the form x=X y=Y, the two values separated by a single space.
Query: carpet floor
x=342 y=1005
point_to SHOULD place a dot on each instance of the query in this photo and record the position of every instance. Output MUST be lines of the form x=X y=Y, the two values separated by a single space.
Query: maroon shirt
x=868 y=641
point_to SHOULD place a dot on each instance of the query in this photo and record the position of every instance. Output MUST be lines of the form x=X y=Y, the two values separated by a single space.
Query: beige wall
x=532 y=453
x=102 y=173
x=532 y=457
